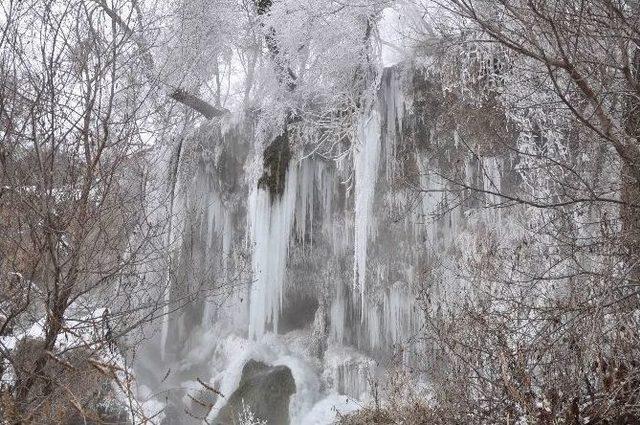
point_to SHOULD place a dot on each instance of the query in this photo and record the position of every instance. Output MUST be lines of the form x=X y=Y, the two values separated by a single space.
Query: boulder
x=263 y=390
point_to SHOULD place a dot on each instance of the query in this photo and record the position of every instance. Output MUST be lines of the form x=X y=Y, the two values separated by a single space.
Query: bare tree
x=81 y=249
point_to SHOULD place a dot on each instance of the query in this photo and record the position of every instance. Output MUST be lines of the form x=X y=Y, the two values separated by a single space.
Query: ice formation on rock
x=325 y=279
x=366 y=160
x=271 y=226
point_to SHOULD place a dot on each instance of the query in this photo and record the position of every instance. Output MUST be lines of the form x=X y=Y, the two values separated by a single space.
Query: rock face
x=265 y=391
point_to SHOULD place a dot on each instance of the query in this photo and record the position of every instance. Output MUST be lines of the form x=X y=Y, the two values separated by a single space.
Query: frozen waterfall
x=322 y=277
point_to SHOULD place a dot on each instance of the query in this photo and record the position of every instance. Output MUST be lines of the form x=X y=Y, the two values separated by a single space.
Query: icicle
x=304 y=210
x=392 y=106
x=349 y=371
x=271 y=226
x=366 y=159
x=337 y=316
x=399 y=313
x=372 y=319
x=429 y=205
x=327 y=189
x=218 y=243
x=174 y=210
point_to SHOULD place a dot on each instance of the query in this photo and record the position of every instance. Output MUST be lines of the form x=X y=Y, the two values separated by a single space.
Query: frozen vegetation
x=274 y=212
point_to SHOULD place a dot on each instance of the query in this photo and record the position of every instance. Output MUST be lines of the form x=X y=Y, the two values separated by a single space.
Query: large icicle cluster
x=271 y=225
x=366 y=159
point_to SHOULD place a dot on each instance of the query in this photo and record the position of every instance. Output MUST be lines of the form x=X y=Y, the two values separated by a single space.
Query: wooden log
x=197 y=104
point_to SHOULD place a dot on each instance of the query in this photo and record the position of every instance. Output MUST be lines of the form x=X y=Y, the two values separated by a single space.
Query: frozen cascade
x=326 y=278
x=399 y=313
x=366 y=159
x=271 y=222
x=349 y=371
x=392 y=103
x=338 y=316
x=175 y=210
x=304 y=210
x=219 y=236
x=317 y=185
x=233 y=352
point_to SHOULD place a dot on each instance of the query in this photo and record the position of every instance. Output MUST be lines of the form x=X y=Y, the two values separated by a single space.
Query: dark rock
x=263 y=389
x=298 y=312
x=276 y=161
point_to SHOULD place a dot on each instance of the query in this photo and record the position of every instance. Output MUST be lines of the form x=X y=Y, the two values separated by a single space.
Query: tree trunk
x=630 y=213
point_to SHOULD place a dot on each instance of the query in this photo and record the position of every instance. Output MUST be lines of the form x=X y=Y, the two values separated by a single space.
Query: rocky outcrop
x=264 y=391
